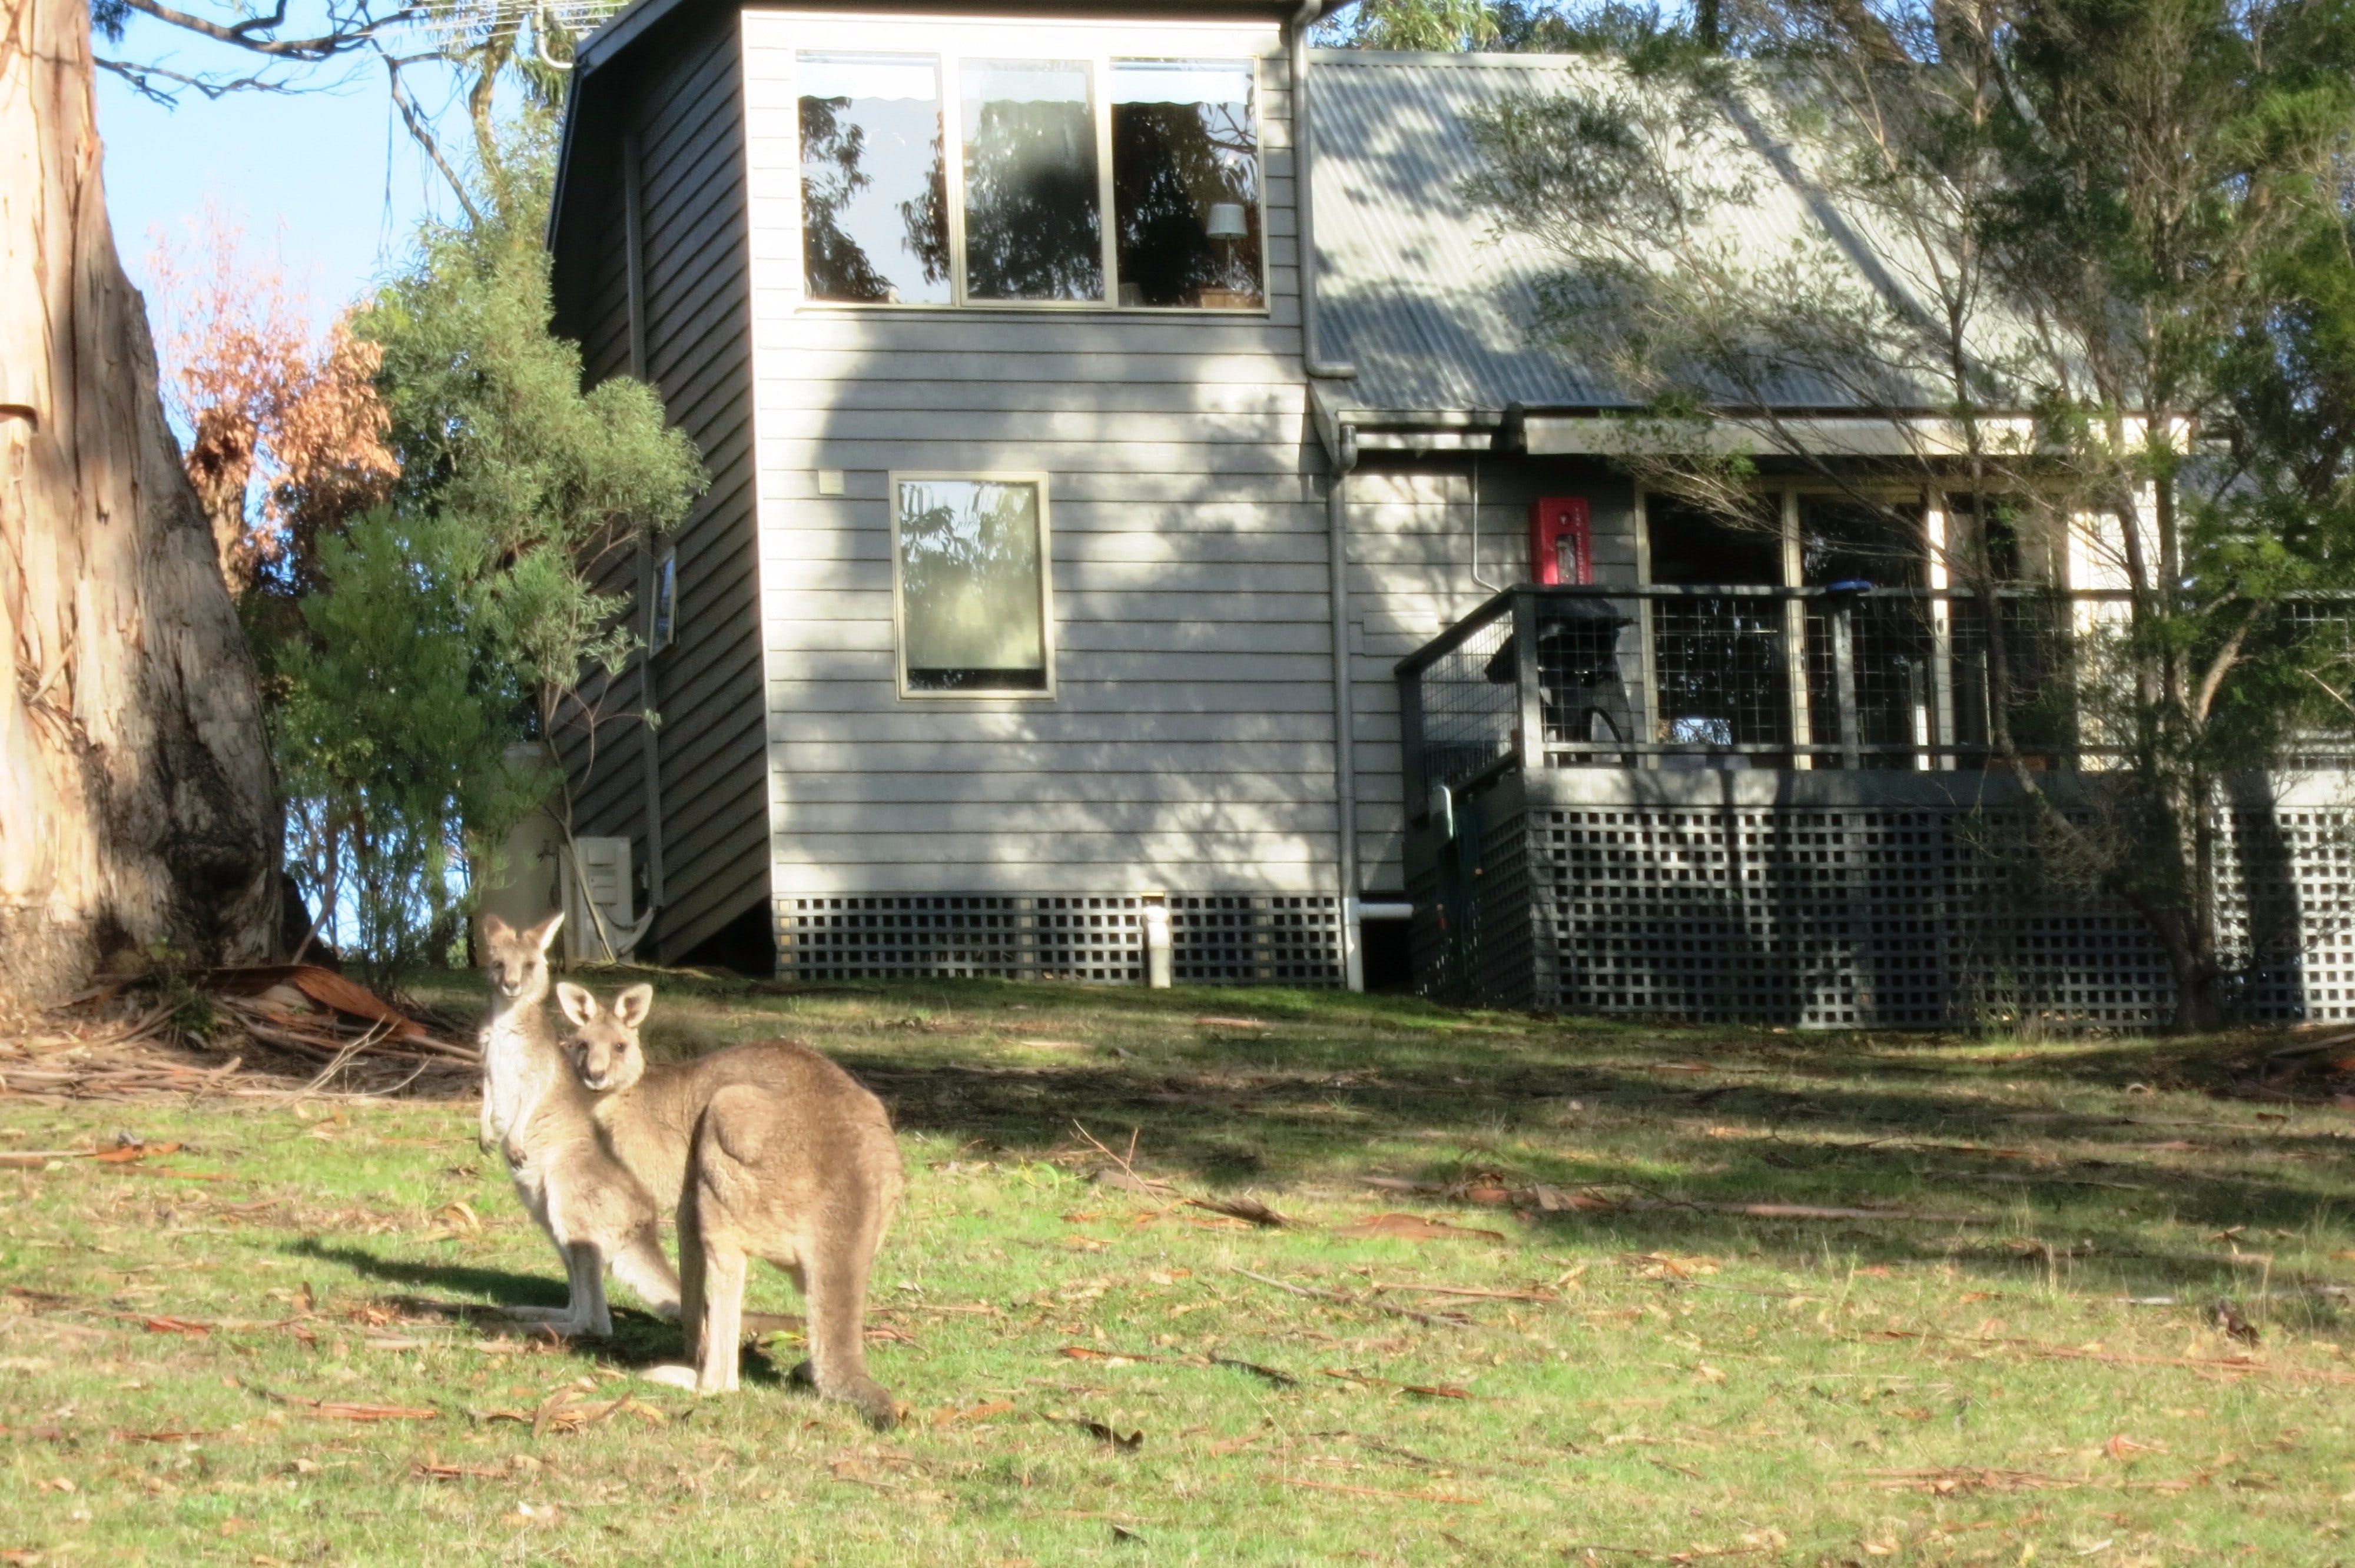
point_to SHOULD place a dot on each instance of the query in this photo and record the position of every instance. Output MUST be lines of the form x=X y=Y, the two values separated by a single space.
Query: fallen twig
x=1467 y=1290
x=1249 y=1209
x=1136 y=1183
x=1375 y=1492
x=1427 y=1390
x=1345 y=1301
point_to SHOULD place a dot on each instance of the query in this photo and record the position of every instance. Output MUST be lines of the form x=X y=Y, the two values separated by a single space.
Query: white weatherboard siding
x=1411 y=577
x=1188 y=747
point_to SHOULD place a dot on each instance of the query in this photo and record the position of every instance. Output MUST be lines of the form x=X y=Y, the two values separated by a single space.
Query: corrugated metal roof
x=1436 y=304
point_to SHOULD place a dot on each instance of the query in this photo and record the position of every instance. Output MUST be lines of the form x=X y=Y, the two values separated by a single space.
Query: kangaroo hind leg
x=836 y=1269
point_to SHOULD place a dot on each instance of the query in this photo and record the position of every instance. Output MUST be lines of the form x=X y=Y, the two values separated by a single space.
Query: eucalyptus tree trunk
x=137 y=807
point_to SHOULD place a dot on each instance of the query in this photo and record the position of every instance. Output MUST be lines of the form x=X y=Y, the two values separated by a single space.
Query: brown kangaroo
x=774 y=1152
x=535 y=1113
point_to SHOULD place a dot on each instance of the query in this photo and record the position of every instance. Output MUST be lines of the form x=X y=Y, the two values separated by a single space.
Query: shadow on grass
x=2067 y=1171
x=640 y=1338
x=2088 y=1158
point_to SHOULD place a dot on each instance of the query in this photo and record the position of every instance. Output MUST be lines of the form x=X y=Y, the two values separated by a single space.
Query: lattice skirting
x=1833 y=901
x=1215 y=937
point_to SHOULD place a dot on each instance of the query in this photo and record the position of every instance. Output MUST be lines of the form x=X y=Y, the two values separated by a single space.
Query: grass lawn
x=247 y=1350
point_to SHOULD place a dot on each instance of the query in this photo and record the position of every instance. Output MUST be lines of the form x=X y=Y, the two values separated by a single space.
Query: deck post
x=1528 y=730
x=1844 y=683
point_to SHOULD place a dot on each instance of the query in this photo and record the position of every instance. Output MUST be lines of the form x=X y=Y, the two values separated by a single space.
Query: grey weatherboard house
x=1046 y=502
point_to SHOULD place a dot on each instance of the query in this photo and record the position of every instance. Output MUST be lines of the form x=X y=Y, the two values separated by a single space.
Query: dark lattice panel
x=901 y=936
x=2287 y=902
x=1864 y=916
x=1646 y=920
x=1214 y=938
x=1513 y=966
x=1428 y=947
x=1287 y=939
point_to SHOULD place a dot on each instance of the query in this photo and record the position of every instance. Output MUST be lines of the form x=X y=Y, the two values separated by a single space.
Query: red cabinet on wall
x=1560 y=543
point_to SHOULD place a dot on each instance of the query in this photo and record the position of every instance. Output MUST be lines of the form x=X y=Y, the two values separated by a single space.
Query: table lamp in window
x=1226 y=225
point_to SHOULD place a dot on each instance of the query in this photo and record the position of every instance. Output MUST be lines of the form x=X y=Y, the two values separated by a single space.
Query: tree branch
x=414 y=118
x=351 y=30
x=143 y=79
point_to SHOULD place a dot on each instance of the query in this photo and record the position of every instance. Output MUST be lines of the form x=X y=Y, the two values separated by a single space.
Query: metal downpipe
x=1345 y=759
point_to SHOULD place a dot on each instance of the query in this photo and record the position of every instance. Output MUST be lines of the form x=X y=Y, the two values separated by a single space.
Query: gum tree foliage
x=2111 y=299
x=466 y=614
x=524 y=45
x=142 y=810
x=1542 y=26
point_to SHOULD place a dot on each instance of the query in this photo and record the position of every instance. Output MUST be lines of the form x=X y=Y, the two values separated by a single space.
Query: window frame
x=662 y=600
x=1036 y=480
x=950 y=44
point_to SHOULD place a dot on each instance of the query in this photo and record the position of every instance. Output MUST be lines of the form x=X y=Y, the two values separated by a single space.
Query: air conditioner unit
x=599 y=925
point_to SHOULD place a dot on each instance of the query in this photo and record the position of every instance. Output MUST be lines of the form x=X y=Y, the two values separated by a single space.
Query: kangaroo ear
x=545 y=932
x=577 y=1003
x=632 y=1005
x=496 y=929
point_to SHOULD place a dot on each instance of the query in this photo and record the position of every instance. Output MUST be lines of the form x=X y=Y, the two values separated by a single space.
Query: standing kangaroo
x=774 y=1152
x=537 y=1114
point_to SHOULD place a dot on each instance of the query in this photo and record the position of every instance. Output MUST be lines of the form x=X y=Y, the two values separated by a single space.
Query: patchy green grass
x=2020 y=1363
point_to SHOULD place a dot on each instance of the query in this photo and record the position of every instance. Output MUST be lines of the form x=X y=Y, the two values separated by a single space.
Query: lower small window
x=662 y=622
x=969 y=556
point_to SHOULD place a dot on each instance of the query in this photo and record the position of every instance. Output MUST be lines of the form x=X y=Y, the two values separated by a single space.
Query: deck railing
x=1680 y=676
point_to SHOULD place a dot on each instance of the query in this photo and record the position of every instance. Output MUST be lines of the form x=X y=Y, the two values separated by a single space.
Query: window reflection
x=1033 y=230
x=1185 y=168
x=874 y=192
x=972 y=596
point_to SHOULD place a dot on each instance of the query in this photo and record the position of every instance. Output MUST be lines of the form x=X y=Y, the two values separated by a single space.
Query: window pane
x=874 y=195
x=1850 y=541
x=1185 y=168
x=971 y=596
x=1032 y=228
x=666 y=616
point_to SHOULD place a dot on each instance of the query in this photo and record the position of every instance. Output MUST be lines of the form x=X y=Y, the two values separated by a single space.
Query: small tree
x=287 y=430
x=391 y=733
x=532 y=491
x=2109 y=282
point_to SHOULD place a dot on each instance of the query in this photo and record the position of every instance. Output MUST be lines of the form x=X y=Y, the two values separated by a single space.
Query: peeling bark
x=137 y=807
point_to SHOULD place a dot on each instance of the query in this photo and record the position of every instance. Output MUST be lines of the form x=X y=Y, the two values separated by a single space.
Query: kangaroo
x=537 y=1114
x=773 y=1152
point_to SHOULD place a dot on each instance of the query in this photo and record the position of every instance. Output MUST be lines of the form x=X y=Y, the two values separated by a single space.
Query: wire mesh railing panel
x=1469 y=705
x=2011 y=658
x=1673 y=675
x=1872 y=695
x=2322 y=631
x=1590 y=668
x=1722 y=678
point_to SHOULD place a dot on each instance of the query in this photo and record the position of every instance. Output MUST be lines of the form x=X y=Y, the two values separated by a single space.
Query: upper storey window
x=1184 y=175
x=1033 y=217
x=875 y=224
x=991 y=180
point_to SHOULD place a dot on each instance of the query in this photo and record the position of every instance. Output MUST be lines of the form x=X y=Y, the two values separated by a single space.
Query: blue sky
x=328 y=175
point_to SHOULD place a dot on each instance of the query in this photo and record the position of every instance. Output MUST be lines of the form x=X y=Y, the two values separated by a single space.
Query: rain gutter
x=1340 y=444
